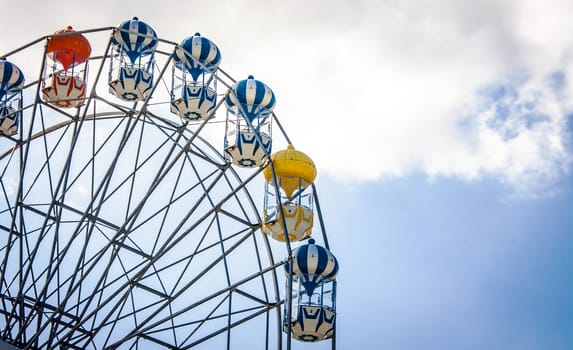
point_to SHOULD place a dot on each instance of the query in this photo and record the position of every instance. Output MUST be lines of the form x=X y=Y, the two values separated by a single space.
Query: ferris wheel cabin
x=11 y=83
x=131 y=70
x=248 y=126
x=64 y=81
x=294 y=172
x=313 y=298
x=194 y=89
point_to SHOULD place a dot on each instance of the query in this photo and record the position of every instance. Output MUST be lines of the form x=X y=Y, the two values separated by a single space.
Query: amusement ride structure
x=142 y=206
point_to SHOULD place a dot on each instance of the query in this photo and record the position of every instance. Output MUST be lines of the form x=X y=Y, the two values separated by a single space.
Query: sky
x=442 y=133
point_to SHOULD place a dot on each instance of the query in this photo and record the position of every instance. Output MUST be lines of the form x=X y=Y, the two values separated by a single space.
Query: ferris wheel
x=142 y=207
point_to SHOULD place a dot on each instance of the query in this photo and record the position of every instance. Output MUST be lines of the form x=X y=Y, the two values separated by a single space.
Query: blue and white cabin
x=131 y=69
x=11 y=84
x=194 y=89
x=248 y=138
x=313 y=298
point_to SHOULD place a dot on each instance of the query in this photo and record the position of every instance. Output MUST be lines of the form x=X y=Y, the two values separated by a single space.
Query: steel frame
x=72 y=272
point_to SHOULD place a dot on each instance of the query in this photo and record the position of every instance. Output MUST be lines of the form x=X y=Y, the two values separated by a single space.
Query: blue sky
x=443 y=140
x=450 y=265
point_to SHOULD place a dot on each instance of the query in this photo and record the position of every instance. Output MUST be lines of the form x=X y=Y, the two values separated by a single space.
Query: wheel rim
x=81 y=191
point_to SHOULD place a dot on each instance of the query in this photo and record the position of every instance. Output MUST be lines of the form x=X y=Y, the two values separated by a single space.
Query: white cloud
x=405 y=89
x=519 y=135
